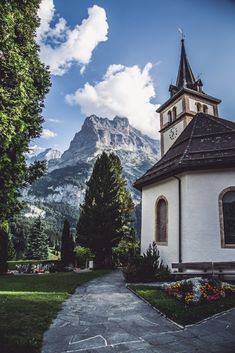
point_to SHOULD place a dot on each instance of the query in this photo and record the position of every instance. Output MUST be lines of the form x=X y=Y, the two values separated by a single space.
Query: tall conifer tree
x=67 y=245
x=105 y=215
x=37 y=242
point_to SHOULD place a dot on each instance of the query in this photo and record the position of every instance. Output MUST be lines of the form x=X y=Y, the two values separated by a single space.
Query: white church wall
x=201 y=239
x=168 y=189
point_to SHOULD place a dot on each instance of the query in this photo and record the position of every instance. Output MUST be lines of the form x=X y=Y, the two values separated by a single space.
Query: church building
x=188 y=196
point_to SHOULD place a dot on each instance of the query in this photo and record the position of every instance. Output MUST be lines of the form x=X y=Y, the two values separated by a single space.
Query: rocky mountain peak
x=49 y=154
x=102 y=134
x=66 y=179
x=98 y=123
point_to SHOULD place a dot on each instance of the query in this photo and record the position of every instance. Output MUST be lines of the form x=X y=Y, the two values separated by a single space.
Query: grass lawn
x=179 y=312
x=28 y=303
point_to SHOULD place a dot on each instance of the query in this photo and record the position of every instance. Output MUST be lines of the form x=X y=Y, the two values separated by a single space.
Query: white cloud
x=46 y=13
x=61 y=46
x=124 y=91
x=47 y=134
x=57 y=121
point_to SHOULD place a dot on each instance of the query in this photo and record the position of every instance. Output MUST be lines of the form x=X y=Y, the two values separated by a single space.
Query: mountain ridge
x=67 y=175
x=48 y=154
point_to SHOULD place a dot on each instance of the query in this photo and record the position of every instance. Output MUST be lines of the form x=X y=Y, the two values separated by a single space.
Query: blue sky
x=139 y=43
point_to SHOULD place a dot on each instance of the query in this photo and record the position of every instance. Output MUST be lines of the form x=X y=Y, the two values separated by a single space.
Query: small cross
x=182 y=33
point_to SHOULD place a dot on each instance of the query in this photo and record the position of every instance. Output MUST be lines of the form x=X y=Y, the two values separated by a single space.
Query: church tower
x=186 y=99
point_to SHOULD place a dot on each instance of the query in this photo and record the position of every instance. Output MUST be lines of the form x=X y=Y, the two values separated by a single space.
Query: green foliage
x=137 y=219
x=146 y=268
x=56 y=212
x=106 y=213
x=20 y=228
x=127 y=248
x=37 y=242
x=11 y=254
x=82 y=256
x=67 y=245
x=151 y=259
x=24 y=81
x=53 y=253
x=3 y=250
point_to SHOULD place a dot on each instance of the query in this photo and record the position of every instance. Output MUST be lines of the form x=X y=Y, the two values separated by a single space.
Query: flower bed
x=195 y=290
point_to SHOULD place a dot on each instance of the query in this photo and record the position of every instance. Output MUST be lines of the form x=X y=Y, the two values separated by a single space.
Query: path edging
x=180 y=326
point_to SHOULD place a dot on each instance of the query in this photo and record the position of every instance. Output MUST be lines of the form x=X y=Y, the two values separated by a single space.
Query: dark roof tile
x=207 y=142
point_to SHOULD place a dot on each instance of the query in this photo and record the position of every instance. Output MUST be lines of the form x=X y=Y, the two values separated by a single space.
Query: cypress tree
x=37 y=242
x=105 y=215
x=67 y=245
x=11 y=253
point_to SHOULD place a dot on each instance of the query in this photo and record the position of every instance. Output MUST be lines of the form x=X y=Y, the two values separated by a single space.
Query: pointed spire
x=185 y=76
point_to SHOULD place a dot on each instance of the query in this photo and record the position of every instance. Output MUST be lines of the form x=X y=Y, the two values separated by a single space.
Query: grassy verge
x=29 y=303
x=177 y=311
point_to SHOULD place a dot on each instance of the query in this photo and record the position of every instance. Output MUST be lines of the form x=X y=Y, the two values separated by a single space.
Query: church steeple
x=186 y=100
x=185 y=76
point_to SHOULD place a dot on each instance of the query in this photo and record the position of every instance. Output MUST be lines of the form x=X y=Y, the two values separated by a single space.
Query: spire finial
x=182 y=33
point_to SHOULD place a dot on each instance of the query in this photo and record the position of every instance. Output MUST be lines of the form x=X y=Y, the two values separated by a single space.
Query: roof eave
x=140 y=184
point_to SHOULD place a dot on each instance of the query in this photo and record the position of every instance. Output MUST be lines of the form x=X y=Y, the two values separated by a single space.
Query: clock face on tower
x=173 y=133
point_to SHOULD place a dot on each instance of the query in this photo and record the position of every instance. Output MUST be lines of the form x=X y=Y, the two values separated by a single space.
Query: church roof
x=207 y=142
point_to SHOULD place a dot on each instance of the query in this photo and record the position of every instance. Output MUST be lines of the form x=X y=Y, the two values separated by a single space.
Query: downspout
x=180 y=217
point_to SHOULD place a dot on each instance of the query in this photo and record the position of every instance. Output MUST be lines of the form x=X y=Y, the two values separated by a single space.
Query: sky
x=118 y=57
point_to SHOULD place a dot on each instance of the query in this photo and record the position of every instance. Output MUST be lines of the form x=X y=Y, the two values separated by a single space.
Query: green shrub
x=146 y=268
x=127 y=248
x=82 y=256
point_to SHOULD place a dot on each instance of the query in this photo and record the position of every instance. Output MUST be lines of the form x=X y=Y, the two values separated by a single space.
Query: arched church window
x=227 y=217
x=174 y=113
x=205 y=109
x=161 y=220
x=169 y=116
x=199 y=107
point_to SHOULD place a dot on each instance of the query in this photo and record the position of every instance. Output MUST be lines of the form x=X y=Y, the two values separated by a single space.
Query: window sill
x=162 y=243
x=228 y=246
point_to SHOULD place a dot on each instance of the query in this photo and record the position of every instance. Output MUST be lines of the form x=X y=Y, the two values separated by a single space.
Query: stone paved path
x=103 y=316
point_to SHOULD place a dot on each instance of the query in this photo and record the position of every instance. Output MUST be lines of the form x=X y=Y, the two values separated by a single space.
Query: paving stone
x=103 y=316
